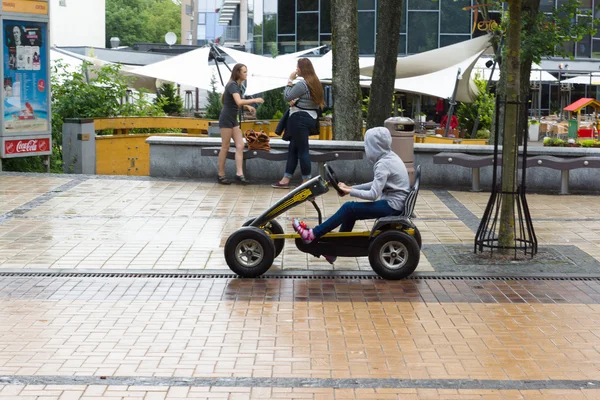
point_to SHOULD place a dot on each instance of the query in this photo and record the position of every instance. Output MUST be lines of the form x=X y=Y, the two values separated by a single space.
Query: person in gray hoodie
x=390 y=185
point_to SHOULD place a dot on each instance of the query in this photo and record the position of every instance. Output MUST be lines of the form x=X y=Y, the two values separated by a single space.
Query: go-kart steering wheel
x=333 y=180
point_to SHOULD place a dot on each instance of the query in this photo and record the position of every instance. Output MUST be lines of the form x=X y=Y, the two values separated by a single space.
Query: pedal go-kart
x=393 y=245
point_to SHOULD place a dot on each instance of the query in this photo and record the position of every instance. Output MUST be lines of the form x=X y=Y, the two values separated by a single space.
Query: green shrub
x=588 y=143
x=482 y=134
x=168 y=99
x=214 y=106
x=278 y=115
x=273 y=102
x=554 y=142
x=483 y=106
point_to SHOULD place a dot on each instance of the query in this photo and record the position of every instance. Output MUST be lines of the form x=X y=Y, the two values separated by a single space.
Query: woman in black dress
x=229 y=125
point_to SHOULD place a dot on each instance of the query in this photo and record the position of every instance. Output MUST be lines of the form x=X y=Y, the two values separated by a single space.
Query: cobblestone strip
x=462 y=212
x=41 y=199
x=303 y=382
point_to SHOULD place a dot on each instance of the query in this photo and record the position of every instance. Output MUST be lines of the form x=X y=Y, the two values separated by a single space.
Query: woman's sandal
x=223 y=180
x=242 y=179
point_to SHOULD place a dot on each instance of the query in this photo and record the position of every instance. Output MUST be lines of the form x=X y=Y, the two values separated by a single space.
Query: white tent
x=537 y=73
x=440 y=83
x=190 y=69
x=73 y=62
x=437 y=59
x=589 y=79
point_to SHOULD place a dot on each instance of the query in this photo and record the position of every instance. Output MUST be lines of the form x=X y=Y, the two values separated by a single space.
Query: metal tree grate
x=509 y=196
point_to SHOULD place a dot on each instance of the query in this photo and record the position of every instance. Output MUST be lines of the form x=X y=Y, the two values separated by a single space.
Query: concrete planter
x=534 y=132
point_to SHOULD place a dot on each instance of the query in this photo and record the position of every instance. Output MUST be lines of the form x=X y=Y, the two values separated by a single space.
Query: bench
x=320 y=157
x=557 y=163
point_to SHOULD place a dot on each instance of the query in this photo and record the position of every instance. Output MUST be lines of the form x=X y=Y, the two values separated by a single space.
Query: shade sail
x=73 y=62
x=594 y=79
x=537 y=73
x=440 y=83
x=190 y=69
x=435 y=60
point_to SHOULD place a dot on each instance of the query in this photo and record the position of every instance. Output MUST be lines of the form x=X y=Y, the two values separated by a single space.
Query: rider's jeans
x=353 y=211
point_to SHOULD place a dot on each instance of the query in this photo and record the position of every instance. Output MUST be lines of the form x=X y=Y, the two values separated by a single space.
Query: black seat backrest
x=411 y=199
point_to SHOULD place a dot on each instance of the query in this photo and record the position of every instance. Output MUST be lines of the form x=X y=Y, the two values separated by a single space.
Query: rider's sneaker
x=304 y=231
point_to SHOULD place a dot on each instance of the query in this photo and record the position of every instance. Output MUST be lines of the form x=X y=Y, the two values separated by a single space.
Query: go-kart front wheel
x=394 y=255
x=273 y=228
x=249 y=252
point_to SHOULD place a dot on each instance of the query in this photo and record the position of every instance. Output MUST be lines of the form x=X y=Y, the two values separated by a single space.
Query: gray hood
x=378 y=142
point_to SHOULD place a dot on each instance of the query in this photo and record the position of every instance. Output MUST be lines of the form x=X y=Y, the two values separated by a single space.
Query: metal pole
x=452 y=104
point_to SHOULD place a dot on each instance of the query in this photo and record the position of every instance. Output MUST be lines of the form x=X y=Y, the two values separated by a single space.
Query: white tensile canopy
x=433 y=72
x=73 y=62
x=537 y=73
x=588 y=79
x=190 y=69
x=437 y=59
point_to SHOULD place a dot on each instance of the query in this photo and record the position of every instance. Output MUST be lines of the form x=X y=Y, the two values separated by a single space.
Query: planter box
x=534 y=132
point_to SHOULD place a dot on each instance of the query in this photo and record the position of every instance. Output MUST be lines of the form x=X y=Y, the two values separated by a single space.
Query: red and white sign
x=25 y=146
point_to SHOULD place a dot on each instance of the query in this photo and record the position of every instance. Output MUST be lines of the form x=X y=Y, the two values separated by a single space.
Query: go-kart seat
x=411 y=199
x=409 y=205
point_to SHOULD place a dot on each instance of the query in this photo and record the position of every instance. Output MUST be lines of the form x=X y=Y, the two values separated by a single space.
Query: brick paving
x=171 y=338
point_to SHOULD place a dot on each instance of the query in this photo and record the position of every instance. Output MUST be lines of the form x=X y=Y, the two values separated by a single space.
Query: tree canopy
x=141 y=20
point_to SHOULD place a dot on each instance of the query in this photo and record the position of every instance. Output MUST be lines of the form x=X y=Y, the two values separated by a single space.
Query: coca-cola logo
x=26 y=146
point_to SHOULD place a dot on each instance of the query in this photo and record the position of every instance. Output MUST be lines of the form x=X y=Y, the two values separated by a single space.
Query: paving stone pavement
x=437 y=337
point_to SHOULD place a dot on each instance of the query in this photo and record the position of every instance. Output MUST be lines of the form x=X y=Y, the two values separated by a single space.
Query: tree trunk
x=386 y=55
x=529 y=10
x=506 y=236
x=347 y=118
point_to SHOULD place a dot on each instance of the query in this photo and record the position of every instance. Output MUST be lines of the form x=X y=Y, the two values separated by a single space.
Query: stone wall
x=180 y=157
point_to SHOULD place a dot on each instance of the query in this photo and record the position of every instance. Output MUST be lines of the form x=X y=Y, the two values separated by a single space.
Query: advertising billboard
x=25 y=77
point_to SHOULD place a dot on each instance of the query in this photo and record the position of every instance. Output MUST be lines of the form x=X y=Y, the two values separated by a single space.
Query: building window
x=453 y=19
x=366 y=5
x=546 y=5
x=308 y=5
x=286 y=18
x=422 y=31
x=62 y=3
x=201 y=18
x=423 y=4
x=325 y=16
x=366 y=32
x=447 y=40
x=402 y=45
x=308 y=36
x=596 y=48
x=201 y=32
x=188 y=9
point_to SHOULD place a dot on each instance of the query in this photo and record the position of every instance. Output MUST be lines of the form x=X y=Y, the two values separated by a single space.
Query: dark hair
x=314 y=84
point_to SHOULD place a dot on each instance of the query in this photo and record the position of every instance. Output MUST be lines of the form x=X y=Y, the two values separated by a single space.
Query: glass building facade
x=287 y=26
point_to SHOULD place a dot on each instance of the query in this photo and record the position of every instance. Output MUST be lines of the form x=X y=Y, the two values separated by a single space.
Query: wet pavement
x=78 y=323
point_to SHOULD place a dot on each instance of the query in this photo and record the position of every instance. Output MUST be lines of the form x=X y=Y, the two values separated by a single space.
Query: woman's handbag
x=257 y=140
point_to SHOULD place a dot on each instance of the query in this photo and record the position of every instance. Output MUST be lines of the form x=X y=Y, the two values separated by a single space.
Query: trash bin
x=402 y=130
x=573 y=129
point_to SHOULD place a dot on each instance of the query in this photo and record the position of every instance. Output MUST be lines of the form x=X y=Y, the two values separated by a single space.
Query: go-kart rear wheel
x=273 y=228
x=394 y=255
x=249 y=252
